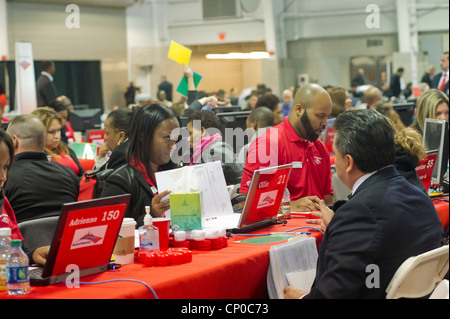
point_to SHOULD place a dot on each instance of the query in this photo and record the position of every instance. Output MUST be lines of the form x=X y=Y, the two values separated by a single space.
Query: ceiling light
x=239 y=56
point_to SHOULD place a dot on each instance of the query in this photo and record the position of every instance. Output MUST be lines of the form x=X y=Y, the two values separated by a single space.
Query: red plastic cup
x=163 y=225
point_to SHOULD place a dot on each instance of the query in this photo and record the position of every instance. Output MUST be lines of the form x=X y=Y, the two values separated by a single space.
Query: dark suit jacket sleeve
x=47 y=90
x=343 y=263
x=435 y=82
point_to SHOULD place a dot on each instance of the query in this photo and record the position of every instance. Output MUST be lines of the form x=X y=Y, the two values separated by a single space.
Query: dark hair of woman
x=146 y=119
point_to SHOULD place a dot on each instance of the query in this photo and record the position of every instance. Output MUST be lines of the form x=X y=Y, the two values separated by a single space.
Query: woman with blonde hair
x=433 y=105
x=54 y=146
x=409 y=149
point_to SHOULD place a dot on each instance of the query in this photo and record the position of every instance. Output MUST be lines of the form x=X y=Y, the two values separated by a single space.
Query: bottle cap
x=179 y=235
x=16 y=243
x=5 y=231
x=148 y=218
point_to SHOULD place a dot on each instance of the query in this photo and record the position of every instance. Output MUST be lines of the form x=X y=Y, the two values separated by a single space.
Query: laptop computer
x=262 y=203
x=85 y=237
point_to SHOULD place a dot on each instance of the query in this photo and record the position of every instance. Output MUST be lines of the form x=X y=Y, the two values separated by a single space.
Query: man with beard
x=296 y=141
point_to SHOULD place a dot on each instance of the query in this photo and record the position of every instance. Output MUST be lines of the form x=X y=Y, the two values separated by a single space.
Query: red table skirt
x=238 y=271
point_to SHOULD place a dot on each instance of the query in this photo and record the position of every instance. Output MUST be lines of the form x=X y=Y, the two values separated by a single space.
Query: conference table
x=238 y=271
x=441 y=204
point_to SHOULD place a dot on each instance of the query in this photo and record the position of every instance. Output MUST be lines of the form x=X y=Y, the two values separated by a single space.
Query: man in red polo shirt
x=296 y=141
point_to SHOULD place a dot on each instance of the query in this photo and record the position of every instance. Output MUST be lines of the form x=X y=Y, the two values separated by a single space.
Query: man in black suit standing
x=385 y=221
x=45 y=89
x=428 y=76
x=167 y=87
x=440 y=81
x=397 y=86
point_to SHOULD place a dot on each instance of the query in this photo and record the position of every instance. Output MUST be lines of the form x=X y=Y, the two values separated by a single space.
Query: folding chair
x=418 y=275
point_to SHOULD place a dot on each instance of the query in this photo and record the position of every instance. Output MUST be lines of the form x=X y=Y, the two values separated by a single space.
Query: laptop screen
x=86 y=234
x=265 y=194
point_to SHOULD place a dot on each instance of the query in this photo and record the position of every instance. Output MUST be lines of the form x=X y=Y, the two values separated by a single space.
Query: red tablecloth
x=441 y=204
x=238 y=271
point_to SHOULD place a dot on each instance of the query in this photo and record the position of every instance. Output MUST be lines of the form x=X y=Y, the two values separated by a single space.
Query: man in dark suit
x=45 y=89
x=167 y=87
x=385 y=221
x=396 y=86
x=440 y=81
x=428 y=76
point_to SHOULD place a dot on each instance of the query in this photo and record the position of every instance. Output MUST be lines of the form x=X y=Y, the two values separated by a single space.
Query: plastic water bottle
x=286 y=205
x=148 y=234
x=17 y=268
x=5 y=248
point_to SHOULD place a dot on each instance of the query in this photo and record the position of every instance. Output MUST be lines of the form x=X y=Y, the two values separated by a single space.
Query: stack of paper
x=292 y=264
x=206 y=178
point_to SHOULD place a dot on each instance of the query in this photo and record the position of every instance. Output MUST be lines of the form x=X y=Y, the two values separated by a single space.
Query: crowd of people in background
x=140 y=138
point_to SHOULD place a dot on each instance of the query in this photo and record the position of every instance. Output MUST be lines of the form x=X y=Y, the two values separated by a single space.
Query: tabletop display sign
x=425 y=169
x=96 y=137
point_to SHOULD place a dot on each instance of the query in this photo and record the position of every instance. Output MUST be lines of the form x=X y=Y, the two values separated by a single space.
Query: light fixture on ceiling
x=239 y=56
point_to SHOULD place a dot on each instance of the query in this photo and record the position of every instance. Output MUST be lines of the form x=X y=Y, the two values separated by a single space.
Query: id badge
x=297 y=164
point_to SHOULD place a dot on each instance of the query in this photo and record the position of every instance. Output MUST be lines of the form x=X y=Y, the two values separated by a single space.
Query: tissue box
x=186 y=211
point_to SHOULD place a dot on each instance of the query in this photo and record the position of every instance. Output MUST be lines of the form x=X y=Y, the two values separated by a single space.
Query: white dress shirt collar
x=47 y=75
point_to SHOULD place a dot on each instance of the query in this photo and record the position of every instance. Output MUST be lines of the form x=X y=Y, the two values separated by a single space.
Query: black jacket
x=386 y=221
x=37 y=187
x=45 y=91
x=127 y=180
x=406 y=166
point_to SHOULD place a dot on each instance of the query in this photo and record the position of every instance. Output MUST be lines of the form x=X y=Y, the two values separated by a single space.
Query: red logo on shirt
x=317 y=160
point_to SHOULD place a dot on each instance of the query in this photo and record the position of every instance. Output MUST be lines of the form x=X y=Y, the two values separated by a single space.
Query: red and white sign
x=87 y=234
x=96 y=137
x=425 y=169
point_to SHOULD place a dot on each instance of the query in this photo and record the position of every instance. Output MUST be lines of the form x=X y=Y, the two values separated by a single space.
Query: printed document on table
x=207 y=178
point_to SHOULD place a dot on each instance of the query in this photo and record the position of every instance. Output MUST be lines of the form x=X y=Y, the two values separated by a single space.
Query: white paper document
x=292 y=264
x=207 y=178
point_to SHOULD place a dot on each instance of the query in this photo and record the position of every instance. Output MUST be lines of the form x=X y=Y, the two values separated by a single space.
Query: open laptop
x=85 y=237
x=263 y=200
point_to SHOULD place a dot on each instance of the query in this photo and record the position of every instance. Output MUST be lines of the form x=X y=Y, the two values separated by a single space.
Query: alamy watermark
x=265 y=153
x=373 y=19
x=73 y=19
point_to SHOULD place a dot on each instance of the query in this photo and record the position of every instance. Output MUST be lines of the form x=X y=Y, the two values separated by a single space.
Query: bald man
x=36 y=187
x=296 y=141
x=371 y=96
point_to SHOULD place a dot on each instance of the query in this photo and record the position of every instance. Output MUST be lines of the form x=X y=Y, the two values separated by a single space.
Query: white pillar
x=408 y=40
x=3 y=32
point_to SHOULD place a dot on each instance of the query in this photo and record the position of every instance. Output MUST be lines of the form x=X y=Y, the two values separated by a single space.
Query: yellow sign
x=179 y=53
